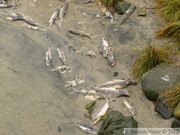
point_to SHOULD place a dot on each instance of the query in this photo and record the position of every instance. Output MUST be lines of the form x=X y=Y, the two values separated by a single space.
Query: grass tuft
x=169 y=9
x=171 y=30
x=172 y=95
x=149 y=58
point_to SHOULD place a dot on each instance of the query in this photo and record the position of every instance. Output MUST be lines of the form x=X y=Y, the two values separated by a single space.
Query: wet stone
x=176 y=124
x=164 y=108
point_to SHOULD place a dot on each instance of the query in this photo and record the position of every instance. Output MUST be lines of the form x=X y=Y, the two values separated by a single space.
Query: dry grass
x=172 y=95
x=109 y=3
x=149 y=58
x=169 y=9
x=171 y=30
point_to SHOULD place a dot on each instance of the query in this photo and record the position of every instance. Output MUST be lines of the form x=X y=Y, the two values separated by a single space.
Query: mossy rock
x=115 y=122
x=177 y=111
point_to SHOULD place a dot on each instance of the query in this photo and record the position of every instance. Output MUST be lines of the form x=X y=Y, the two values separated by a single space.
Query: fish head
x=134 y=112
x=125 y=92
x=105 y=53
x=47 y=63
x=129 y=81
x=95 y=120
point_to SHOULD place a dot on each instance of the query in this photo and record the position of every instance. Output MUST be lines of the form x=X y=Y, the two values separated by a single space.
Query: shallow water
x=33 y=99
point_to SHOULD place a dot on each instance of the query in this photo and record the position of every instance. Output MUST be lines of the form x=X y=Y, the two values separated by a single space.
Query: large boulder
x=177 y=111
x=115 y=122
x=159 y=79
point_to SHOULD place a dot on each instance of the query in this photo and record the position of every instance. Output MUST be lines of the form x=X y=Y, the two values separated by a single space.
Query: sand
x=33 y=100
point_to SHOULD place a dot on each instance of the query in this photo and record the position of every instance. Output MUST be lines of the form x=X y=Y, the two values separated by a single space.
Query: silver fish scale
x=103 y=48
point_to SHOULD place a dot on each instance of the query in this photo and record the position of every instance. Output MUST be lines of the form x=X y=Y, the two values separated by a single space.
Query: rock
x=163 y=108
x=159 y=79
x=177 y=111
x=115 y=122
x=176 y=124
x=142 y=12
x=122 y=7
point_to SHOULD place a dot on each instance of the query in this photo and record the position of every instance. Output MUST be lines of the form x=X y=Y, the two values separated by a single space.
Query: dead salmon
x=121 y=83
x=98 y=115
x=29 y=20
x=34 y=27
x=63 y=11
x=94 y=95
x=54 y=17
x=110 y=57
x=127 y=14
x=80 y=33
x=103 y=47
x=130 y=107
x=12 y=16
x=62 y=69
x=49 y=57
x=111 y=91
x=85 y=128
x=5 y=5
x=62 y=56
x=106 y=11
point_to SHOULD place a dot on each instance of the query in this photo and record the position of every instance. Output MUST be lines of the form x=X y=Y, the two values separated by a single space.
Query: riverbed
x=34 y=100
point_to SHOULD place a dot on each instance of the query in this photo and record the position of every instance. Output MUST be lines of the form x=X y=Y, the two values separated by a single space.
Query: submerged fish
x=62 y=56
x=85 y=128
x=63 y=11
x=127 y=14
x=103 y=47
x=98 y=115
x=122 y=83
x=129 y=106
x=34 y=27
x=80 y=33
x=106 y=11
x=49 y=57
x=54 y=17
x=113 y=92
x=110 y=57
